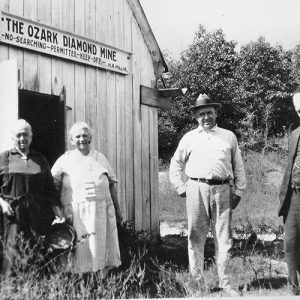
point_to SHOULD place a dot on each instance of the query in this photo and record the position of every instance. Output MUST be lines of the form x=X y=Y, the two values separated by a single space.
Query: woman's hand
x=58 y=220
x=6 y=208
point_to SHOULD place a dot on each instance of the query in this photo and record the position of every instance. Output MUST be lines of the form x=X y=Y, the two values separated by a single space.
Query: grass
x=148 y=271
x=161 y=271
x=259 y=206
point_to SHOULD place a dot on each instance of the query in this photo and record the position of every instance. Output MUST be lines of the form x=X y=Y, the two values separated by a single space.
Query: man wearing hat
x=211 y=158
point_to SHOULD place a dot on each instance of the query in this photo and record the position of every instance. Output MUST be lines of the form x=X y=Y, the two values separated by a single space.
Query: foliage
x=296 y=64
x=254 y=86
x=265 y=83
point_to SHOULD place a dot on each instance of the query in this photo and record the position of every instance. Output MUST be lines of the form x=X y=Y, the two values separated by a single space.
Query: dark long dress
x=27 y=185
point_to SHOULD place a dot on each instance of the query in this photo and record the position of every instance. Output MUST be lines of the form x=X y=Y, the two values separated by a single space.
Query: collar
x=201 y=129
x=16 y=151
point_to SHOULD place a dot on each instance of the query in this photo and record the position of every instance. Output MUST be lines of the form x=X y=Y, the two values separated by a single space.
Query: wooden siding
x=124 y=130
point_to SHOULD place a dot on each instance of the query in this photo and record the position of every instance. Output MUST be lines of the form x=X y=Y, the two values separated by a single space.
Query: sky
x=174 y=22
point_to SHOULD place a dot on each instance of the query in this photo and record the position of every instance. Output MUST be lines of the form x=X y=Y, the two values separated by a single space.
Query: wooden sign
x=155 y=98
x=21 y=32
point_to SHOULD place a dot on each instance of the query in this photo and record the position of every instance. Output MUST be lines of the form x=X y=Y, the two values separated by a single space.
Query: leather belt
x=211 y=181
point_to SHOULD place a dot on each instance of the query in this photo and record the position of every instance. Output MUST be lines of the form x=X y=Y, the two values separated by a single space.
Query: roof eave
x=159 y=62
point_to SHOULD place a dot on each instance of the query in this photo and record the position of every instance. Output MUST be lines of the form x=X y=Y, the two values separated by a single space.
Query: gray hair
x=21 y=124
x=79 y=126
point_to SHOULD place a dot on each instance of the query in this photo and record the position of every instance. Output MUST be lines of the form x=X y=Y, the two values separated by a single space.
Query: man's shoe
x=230 y=292
x=296 y=291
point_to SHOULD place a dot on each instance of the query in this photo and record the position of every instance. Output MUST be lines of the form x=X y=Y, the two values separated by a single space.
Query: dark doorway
x=45 y=113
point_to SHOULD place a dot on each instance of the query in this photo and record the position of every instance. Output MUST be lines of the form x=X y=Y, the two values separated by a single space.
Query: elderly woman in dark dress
x=27 y=195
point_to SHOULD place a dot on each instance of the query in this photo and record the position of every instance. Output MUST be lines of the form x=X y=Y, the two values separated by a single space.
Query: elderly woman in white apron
x=89 y=201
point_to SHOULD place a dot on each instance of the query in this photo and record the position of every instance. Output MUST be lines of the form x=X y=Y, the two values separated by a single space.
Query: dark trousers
x=292 y=239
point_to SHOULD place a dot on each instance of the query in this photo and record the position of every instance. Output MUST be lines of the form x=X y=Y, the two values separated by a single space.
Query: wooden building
x=63 y=61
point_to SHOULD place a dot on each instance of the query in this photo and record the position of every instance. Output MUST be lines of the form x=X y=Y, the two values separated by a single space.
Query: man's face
x=206 y=117
x=22 y=139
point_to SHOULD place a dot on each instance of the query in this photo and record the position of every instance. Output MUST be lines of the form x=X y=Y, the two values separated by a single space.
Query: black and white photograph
x=149 y=149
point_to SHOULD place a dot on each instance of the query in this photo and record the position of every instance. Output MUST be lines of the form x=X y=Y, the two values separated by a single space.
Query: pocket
x=90 y=190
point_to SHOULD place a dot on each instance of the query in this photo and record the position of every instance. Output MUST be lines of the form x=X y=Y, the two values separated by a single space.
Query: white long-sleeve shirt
x=210 y=154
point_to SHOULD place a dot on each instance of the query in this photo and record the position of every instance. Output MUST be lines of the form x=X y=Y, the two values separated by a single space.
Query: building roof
x=159 y=62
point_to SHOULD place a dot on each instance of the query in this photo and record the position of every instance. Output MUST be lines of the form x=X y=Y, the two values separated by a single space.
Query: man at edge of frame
x=289 y=208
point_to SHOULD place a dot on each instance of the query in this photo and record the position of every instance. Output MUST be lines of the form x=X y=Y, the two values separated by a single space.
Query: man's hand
x=6 y=208
x=183 y=195
x=235 y=200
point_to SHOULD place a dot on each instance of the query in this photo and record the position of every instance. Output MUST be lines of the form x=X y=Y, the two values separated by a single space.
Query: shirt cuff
x=181 y=189
x=238 y=192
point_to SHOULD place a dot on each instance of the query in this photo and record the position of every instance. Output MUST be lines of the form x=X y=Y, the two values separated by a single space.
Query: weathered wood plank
x=154 y=182
x=129 y=153
x=91 y=73
x=45 y=12
x=79 y=98
x=15 y=6
x=120 y=108
x=145 y=79
x=68 y=12
x=129 y=190
x=119 y=23
x=137 y=128
x=153 y=157
x=68 y=75
x=111 y=37
x=5 y=5
x=31 y=80
x=57 y=70
x=80 y=17
x=102 y=111
x=102 y=84
x=90 y=19
x=102 y=20
x=91 y=100
x=80 y=76
x=44 y=62
x=145 y=167
x=111 y=120
x=3 y=53
x=121 y=164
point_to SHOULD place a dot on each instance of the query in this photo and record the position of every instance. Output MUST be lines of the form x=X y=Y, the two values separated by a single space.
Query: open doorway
x=46 y=115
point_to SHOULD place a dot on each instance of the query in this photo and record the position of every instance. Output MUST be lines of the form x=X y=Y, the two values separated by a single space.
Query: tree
x=296 y=65
x=265 y=83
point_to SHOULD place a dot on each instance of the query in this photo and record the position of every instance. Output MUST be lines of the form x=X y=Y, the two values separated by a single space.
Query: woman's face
x=22 y=139
x=82 y=140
